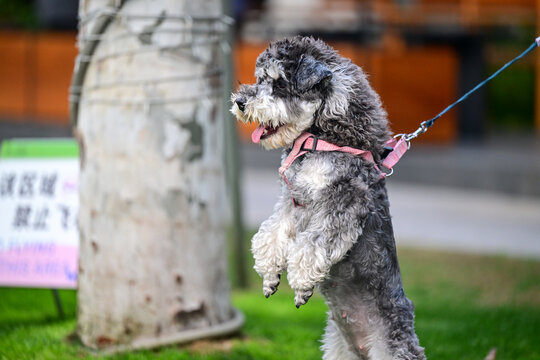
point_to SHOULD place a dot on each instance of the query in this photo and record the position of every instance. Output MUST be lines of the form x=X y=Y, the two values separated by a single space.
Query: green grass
x=465 y=305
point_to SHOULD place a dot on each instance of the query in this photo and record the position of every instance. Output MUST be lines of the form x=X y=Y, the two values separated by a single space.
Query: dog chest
x=309 y=176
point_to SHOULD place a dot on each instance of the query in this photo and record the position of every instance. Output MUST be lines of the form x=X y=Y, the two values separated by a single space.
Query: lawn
x=465 y=305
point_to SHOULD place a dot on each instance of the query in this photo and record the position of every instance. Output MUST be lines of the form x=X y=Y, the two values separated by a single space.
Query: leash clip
x=408 y=137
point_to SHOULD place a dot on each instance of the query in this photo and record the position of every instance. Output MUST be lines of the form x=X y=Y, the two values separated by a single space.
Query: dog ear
x=310 y=72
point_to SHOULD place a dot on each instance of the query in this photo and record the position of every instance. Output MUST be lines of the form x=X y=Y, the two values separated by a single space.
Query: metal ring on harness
x=386 y=174
x=406 y=138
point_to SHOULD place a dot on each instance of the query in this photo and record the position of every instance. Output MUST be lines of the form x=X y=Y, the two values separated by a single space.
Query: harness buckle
x=386 y=174
x=313 y=147
x=387 y=150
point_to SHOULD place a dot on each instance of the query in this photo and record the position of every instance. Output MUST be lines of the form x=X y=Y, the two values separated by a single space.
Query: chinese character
x=47 y=184
x=22 y=216
x=65 y=216
x=70 y=275
x=7 y=182
x=26 y=187
x=40 y=219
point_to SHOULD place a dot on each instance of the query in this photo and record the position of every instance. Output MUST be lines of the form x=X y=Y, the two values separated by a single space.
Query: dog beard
x=277 y=127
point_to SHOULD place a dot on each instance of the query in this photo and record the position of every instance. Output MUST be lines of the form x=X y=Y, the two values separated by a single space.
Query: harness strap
x=295 y=153
x=399 y=147
x=308 y=142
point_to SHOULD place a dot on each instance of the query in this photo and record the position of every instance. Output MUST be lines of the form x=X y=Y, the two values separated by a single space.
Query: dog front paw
x=270 y=284
x=301 y=297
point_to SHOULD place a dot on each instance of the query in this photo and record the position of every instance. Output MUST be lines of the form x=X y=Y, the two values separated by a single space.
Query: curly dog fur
x=341 y=239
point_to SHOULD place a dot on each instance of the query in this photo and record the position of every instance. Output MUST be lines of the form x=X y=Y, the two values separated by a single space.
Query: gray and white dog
x=341 y=238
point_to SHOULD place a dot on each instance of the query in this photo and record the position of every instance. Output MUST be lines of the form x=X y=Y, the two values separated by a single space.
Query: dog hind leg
x=334 y=345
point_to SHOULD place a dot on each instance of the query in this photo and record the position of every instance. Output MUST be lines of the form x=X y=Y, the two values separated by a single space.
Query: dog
x=331 y=226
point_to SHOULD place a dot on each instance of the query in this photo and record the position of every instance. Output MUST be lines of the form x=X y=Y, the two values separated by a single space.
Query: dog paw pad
x=270 y=285
x=301 y=297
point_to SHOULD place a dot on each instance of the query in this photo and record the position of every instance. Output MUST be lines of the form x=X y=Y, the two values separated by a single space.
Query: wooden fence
x=35 y=73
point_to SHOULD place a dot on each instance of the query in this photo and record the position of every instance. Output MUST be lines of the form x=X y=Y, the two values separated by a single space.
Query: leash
x=402 y=142
x=425 y=125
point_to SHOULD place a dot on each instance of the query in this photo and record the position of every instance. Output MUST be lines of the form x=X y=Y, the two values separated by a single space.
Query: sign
x=38 y=213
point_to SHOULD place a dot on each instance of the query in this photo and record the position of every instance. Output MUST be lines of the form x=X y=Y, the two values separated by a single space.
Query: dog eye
x=279 y=84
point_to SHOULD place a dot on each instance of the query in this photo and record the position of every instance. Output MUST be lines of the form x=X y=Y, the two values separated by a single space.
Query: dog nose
x=241 y=103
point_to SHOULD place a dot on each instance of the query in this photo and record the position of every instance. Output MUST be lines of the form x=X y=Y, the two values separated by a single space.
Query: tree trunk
x=152 y=264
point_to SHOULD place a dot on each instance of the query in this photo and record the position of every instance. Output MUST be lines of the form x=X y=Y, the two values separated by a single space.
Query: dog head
x=303 y=84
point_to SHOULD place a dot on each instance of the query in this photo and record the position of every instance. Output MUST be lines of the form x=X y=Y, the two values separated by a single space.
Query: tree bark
x=152 y=264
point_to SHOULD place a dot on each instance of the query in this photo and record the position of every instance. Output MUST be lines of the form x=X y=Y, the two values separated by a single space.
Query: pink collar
x=308 y=142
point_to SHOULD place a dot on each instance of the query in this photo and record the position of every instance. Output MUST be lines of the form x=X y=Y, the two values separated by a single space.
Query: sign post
x=38 y=211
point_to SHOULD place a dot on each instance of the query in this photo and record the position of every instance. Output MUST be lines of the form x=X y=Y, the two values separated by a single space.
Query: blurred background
x=420 y=55
x=470 y=185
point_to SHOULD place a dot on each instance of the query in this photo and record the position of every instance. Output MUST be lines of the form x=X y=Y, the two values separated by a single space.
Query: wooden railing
x=457 y=12
x=35 y=73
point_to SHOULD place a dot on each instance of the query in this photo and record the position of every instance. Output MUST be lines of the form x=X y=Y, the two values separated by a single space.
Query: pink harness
x=308 y=142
